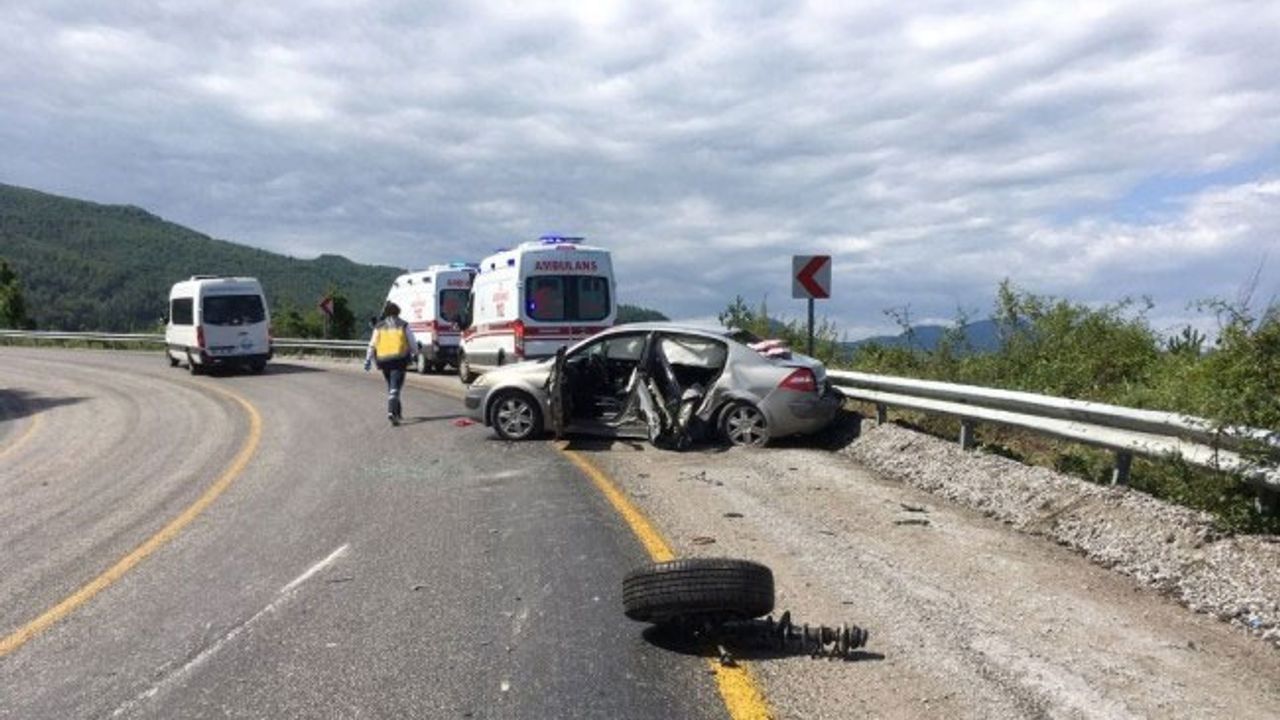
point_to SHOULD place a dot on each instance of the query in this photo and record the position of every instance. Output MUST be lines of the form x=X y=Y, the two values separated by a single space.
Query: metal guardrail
x=1125 y=431
x=156 y=339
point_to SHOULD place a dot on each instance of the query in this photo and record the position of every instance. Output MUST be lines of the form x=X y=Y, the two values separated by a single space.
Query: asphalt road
x=336 y=568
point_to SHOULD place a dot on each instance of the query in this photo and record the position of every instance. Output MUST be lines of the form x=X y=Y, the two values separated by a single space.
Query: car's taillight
x=518 y=328
x=200 y=336
x=802 y=380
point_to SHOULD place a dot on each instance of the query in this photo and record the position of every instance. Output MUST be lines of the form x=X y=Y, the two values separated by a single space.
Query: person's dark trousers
x=394 y=375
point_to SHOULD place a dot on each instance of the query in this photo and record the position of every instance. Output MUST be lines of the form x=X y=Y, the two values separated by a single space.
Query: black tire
x=515 y=416
x=743 y=424
x=464 y=370
x=258 y=367
x=714 y=589
x=173 y=361
x=193 y=367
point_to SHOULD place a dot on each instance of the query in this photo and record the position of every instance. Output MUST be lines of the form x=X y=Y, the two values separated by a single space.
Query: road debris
x=703 y=540
x=717 y=602
x=912 y=521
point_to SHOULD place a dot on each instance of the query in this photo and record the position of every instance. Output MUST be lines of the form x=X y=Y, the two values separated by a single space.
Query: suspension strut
x=782 y=635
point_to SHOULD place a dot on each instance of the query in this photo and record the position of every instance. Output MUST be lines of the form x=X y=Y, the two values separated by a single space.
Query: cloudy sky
x=1087 y=150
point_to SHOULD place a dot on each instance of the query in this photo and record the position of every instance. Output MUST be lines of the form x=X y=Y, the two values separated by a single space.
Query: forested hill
x=85 y=266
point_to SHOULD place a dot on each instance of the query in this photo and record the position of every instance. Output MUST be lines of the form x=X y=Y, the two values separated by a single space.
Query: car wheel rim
x=746 y=426
x=515 y=417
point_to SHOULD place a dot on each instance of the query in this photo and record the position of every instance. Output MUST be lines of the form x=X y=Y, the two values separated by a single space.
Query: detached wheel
x=710 y=588
x=744 y=424
x=516 y=416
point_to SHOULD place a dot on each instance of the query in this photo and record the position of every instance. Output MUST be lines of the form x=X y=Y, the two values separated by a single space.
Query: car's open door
x=558 y=395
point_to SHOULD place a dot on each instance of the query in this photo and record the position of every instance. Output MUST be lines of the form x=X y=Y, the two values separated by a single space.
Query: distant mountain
x=86 y=266
x=633 y=314
x=981 y=336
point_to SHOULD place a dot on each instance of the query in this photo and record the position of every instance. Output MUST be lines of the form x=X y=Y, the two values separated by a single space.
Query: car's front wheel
x=465 y=374
x=516 y=416
x=744 y=424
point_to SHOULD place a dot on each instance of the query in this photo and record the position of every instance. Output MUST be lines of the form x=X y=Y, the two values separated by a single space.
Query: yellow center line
x=738 y=687
x=69 y=605
x=24 y=437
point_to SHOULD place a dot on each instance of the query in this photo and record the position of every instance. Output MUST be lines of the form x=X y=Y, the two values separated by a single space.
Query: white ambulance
x=529 y=301
x=217 y=321
x=434 y=303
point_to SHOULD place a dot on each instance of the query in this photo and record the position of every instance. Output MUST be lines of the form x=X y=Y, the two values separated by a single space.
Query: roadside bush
x=1111 y=354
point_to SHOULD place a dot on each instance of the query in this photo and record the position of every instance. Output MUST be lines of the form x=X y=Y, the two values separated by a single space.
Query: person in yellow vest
x=393 y=348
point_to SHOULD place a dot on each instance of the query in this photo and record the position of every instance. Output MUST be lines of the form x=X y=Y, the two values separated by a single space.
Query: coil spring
x=783 y=635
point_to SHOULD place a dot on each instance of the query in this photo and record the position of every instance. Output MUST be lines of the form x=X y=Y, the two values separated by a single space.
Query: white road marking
x=313 y=570
x=285 y=594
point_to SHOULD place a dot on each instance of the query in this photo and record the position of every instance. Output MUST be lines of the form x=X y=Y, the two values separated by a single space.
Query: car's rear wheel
x=698 y=588
x=516 y=416
x=194 y=367
x=744 y=424
x=173 y=361
x=423 y=366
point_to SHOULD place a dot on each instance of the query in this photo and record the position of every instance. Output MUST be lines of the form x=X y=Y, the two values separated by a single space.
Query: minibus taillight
x=802 y=380
x=200 y=336
x=518 y=328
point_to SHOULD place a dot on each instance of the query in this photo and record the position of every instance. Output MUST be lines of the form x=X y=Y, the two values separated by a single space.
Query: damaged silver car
x=671 y=384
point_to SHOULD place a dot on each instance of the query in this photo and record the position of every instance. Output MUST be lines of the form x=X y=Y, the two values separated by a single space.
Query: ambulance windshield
x=567 y=298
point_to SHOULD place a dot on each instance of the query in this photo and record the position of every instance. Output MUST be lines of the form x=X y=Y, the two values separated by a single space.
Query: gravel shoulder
x=943 y=556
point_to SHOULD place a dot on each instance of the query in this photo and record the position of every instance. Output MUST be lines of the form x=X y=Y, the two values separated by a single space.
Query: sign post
x=326 y=308
x=811 y=279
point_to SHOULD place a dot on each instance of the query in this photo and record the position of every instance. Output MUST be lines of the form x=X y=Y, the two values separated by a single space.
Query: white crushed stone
x=1174 y=549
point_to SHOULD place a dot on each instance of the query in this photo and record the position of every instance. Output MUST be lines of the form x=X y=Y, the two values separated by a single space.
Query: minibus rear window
x=232 y=310
x=567 y=298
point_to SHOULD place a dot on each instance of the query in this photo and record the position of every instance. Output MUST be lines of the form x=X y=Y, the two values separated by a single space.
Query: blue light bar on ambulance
x=559 y=239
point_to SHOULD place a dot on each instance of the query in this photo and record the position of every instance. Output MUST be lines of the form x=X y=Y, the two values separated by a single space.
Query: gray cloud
x=933 y=150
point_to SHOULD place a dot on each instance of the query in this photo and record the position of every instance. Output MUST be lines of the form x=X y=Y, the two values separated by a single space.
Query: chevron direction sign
x=811 y=276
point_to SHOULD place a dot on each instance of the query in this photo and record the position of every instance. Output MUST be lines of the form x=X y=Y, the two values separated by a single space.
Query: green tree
x=13 y=309
x=795 y=333
x=343 y=323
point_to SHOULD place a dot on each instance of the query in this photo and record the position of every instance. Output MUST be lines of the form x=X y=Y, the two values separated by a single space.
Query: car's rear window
x=694 y=351
x=232 y=310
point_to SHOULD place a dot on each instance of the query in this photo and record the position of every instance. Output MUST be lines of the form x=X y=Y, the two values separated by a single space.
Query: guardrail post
x=882 y=413
x=968 y=437
x=1120 y=473
x=1267 y=502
